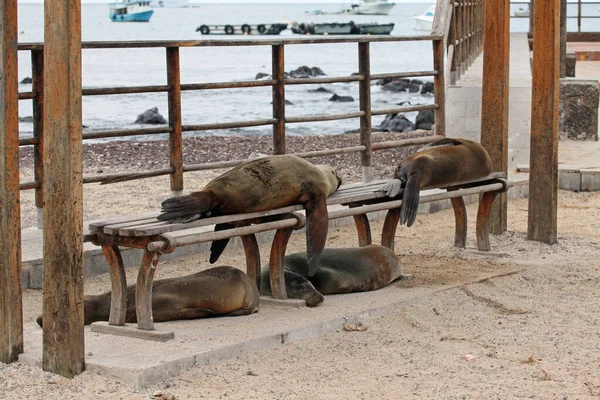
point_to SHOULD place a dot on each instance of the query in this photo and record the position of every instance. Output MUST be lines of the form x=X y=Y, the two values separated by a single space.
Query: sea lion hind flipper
x=317 y=223
x=410 y=201
x=186 y=208
x=441 y=143
x=218 y=246
x=392 y=188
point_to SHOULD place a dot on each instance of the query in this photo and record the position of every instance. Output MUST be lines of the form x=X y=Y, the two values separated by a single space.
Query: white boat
x=521 y=12
x=424 y=22
x=169 y=3
x=130 y=11
x=370 y=7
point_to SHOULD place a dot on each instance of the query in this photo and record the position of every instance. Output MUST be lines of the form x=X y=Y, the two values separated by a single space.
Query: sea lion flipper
x=317 y=223
x=392 y=188
x=218 y=246
x=186 y=208
x=410 y=201
x=441 y=143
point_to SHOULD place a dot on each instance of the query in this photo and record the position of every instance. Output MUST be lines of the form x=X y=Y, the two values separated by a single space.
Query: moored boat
x=245 y=29
x=370 y=7
x=343 y=28
x=130 y=11
x=376 y=29
x=424 y=22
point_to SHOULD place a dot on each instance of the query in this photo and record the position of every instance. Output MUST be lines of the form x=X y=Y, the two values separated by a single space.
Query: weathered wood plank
x=37 y=84
x=328 y=117
x=11 y=309
x=439 y=86
x=63 y=190
x=364 y=69
x=143 y=290
x=494 y=102
x=176 y=136
x=541 y=224
x=278 y=70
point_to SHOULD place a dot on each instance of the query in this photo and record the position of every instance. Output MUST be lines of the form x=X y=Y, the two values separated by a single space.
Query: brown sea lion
x=259 y=185
x=339 y=271
x=223 y=290
x=440 y=163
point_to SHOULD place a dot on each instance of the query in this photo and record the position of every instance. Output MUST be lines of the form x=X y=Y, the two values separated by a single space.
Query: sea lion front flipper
x=187 y=208
x=218 y=246
x=410 y=201
x=441 y=143
x=317 y=223
x=392 y=188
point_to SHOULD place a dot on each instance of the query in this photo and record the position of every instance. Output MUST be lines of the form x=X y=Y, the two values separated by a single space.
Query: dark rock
x=414 y=87
x=287 y=102
x=396 y=123
x=381 y=82
x=425 y=120
x=261 y=75
x=395 y=86
x=416 y=82
x=306 y=72
x=427 y=88
x=342 y=99
x=29 y=118
x=27 y=80
x=404 y=103
x=151 y=116
x=578 y=109
x=355 y=74
x=570 y=61
x=320 y=89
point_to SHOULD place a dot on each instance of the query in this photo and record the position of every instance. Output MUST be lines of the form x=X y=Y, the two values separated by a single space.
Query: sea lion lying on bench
x=262 y=184
x=224 y=290
x=340 y=270
x=440 y=163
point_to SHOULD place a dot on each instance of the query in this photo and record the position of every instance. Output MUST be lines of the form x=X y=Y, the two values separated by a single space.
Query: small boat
x=344 y=28
x=424 y=22
x=370 y=7
x=245 y=29
x=169 y=3
x=521 y=12
x=130 y=11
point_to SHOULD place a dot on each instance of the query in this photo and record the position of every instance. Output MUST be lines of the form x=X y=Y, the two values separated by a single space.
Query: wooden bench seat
x=155 y=238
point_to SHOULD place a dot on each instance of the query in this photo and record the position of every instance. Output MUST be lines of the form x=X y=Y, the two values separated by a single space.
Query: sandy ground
x=531 y=332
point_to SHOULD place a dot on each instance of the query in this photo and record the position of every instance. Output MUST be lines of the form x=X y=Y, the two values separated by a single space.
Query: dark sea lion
x=259 y=185
x=339 y=271
x=440 y=163
x=296 y=286
x=223 y=290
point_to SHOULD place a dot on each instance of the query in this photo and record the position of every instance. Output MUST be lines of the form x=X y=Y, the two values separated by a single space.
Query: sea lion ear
x=441 y=143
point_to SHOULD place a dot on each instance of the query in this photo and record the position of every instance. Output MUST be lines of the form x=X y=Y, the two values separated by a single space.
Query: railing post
x=176 y=136
x=543 y=164
x=439 y=87
x=452 y=41
x=37 y=86
x=364 y=69
x=494 y=101
x=578 y=15
x=63 y=336
x=11 y=301
x=278 y=99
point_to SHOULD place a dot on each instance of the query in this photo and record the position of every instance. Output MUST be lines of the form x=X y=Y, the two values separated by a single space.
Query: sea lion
x=259 y=185
x=339 y=271
x=442 y=162
x=223 y=290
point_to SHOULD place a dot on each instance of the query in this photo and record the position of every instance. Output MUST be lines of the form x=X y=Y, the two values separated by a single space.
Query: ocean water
x=135 y=67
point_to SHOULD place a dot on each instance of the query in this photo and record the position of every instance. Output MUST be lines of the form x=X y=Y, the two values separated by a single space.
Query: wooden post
x=563 y=38
x=364 y=68
x=494 y=101
x=63 y=336
x=543 y=165
x=176 y=136
x=11 y=302
x=439 y=88
x=531 y=12
x=578 y=15
x=452 y=41
x=278 y=99
x=37 y=86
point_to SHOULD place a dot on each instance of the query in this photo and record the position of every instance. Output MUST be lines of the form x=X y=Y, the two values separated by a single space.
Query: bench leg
x=460 y=215
x=483 y=235
x=118 y=297
x=252 y=258
x=363 y=228
x=388 y=233
x=276 y=261
x=143 y=290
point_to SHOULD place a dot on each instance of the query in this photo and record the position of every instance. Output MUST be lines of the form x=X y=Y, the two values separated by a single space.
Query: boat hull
x=422 y=24
x=375 y=29
x=375 y=9
x=143 y=16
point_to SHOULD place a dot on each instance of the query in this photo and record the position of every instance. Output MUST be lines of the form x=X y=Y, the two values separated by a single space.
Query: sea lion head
x=332 y=177
x=298 y=287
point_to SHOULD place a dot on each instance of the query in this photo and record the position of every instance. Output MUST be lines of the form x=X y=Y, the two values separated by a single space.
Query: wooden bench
x=155 y=238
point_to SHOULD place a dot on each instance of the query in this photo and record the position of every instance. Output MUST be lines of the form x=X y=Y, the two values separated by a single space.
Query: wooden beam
x=563 y=38
x=494 y=101
x=543 y=165
x=176 y=135
x=278 y=63
x=11 y=309
x=63 y=337
x=364 y=68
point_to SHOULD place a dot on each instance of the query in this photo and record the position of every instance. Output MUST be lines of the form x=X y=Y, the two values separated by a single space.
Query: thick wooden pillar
x=11 y=309
x=364 y=68
x=63 y=337
x=494 y=101
x=543 y=165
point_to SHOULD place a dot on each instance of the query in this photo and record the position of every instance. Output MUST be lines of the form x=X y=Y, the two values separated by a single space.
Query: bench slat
x=96 y=226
